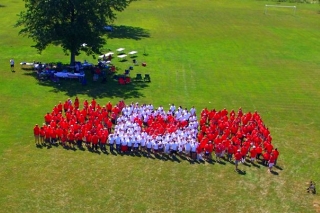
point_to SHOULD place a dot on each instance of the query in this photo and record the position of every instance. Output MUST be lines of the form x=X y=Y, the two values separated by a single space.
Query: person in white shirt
x=118 y=143
x=149 y=146
x=124 y=145
x=143 y=143
x=155 y=147
x=12 y=65
x=135 y=144
x=172 y=108
x=193 y=151
x=193 y=111
x=129 y=144
x=111 y=142
x=187 y=148
x=174 y=148
x=166 y=147
x=161 y=147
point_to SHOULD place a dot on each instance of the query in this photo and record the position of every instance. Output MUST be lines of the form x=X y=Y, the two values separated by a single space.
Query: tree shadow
x=95 y=89
x=128 y=32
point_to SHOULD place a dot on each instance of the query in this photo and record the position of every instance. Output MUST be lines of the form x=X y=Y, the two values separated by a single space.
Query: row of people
x=228 y=132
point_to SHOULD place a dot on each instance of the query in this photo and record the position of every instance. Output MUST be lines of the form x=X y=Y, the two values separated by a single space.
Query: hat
x=238 y=150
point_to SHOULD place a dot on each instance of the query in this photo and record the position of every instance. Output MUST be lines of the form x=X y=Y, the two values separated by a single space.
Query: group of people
x=138 y=127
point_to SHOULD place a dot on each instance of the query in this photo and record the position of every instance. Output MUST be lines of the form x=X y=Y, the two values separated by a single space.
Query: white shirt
x=174 y=146
x=111 y=139
x=187 y=146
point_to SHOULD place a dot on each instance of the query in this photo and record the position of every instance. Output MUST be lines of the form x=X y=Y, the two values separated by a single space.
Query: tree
x=69 y=23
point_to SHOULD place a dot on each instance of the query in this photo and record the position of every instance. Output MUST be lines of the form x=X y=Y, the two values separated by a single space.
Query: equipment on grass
x=294 y=8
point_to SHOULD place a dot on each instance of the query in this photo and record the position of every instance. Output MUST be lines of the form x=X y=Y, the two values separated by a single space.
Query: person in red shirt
x=218 y=151
x=63 y=139
x=60 y=106
x=36 y=132
x=244 y=151
x=47 y=136
x=266 y=157
x=42 y=134
x=76 y=103
x=85 y=104
x=237 y=157
x=253 y=154
x=276 y=155
x=109 y=107
x=66 y=106
x=259 y=152
x=47 y=118
x=208 y=150
x=95 y=140
x=71 y=138
x=53 y=135
x=93 y=103
x=88 y=139
x=103 y=141
x=230 y=152
x=78 y=137
x=271 y=162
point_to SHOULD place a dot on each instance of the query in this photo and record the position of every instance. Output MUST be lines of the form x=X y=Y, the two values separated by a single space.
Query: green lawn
x=216 y=54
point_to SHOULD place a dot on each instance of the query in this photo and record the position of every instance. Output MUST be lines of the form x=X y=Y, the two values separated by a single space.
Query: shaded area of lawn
x=94 y=89
x=128 y=32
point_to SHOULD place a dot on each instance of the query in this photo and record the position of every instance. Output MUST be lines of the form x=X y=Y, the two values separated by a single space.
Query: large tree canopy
x=69 y=23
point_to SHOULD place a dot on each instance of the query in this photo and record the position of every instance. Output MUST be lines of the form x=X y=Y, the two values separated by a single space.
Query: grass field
x=216 y=54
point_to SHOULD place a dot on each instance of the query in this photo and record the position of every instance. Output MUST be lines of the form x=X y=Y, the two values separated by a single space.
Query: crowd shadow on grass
x=241 y=172
x=128 y=32
x=94 y=89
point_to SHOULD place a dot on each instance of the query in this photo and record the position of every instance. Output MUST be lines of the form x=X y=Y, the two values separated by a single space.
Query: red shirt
x=36 y=130
x=42 y=132
x=238 y=156
x=231 y=149
x=95 y=139
x=103 y=139
x=272 y=159
x=275 y=153
x=266 y=156
x=71 y=136
x=209 y=147
x=259 y=150
x=47 y=118
x=253 y=153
